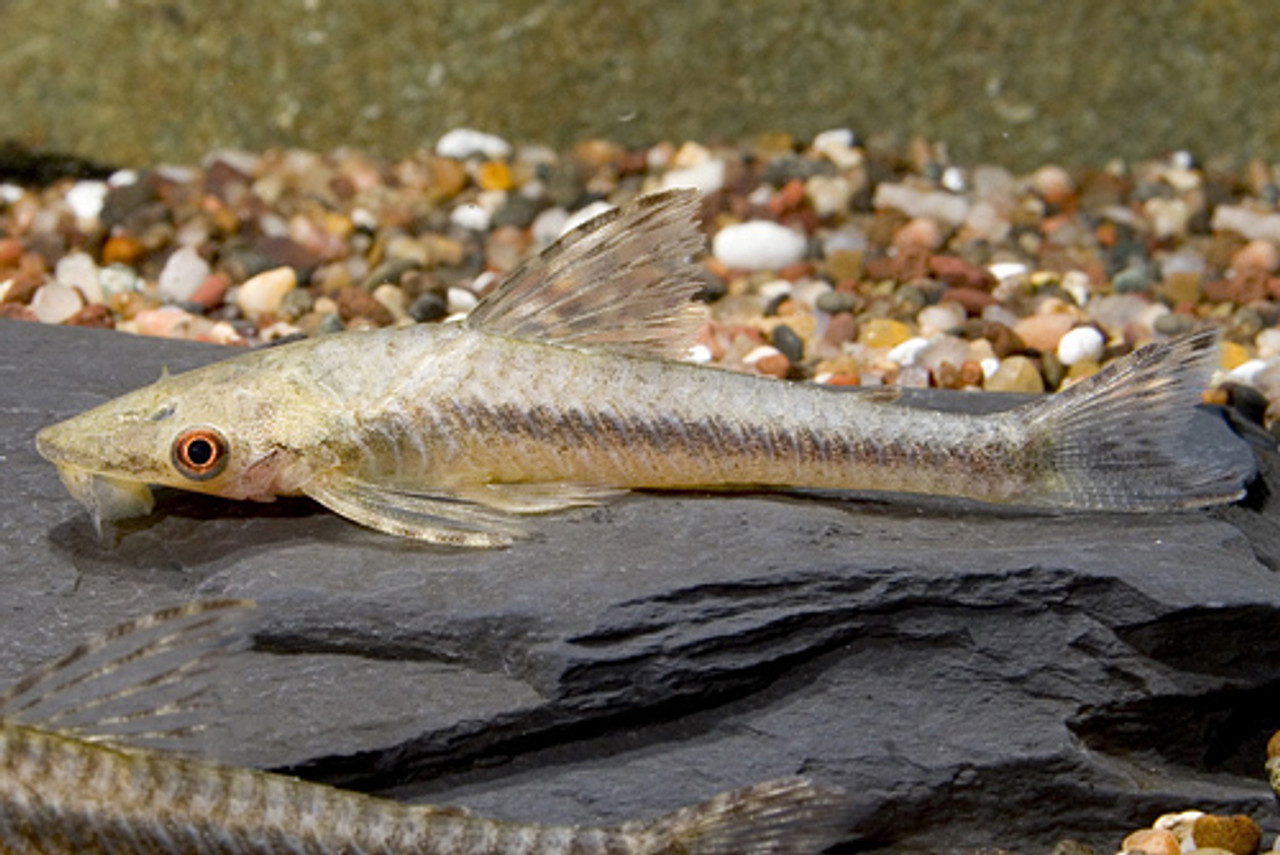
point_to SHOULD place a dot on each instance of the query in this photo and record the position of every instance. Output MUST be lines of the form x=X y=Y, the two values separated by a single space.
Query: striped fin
x=622 y=281
x=141 y=683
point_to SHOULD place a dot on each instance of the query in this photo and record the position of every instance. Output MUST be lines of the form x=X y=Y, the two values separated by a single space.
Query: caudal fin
x=1118 y=441
x=789 y=816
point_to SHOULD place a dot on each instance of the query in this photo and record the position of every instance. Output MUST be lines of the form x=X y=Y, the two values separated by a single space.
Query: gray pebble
x=331 y=324
x=296 y=303
x=1131 y=280
x=519 y=211
x=834 y=302
x=389 y=271
x=788 y=343
x=428 y=307
x=1173 y=324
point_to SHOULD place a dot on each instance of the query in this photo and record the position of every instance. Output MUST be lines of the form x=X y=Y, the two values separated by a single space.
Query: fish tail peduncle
x=789 y=816
x=1115 y=442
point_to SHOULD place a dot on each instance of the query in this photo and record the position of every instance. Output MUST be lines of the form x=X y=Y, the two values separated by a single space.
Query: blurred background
x=1016 y=82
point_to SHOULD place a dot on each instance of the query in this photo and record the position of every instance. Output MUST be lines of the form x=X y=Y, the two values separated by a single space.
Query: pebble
x=1237 y=834
x=1268 y=343
x=1232 y=355
x=1082 y=344
x=788 y=343
x=939 y=205
x=428 y=307
x=55 y=302
x=941 y=318
x=883 y=333
x=460 y=301
x=706 y=177
x=1256 y=255
x=1246 y=222
x=1015 y=374
x=1151 y=841
x=182 y=274
x=463 y=143
x=471 y=216
x=908 y=351
x=264 y=293
x=212 y=291
x=86 y=199
x=944 y=350
x=78 y=270
x=834 y=302
x=393 y=298
x=1043 y=332
x=758 y=245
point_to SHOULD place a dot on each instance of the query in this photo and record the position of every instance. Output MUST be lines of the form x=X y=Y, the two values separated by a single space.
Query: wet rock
x=665 y=647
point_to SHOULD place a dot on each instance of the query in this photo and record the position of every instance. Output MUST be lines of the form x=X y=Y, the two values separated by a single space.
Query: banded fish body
x=562 y=389
x=71 y=784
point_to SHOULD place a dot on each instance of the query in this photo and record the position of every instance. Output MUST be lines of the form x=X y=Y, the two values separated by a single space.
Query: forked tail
x=1117 y=441
x=789 y=816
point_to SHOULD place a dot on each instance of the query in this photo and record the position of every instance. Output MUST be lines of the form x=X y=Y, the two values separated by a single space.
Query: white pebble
x=548 y=226
x=953 y=179
x=829 y=194
x=705 y=177
x=182 y=274
x=913 y=202
x=585 y=215
x=55 y=302
x=1247 y=222
x=471 y=217
x=1082 y=344
x=117 y=279
x=774 y=289
x=837 y=146
x=462 y=143
x=265 y=292
x=906 y=353
x=758 y=245
x=1076 y=283
x=1003 y=270
x=10 y=193
x=86 y=199
x=940 y=318
x=700 y=354
x=460 y=300
x=989 y=366
x=759 y=353
x=78 y=270
x=1247 y=372
x=1268 y=342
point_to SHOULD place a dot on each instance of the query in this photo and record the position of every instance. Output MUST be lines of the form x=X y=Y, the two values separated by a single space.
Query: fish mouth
x=106 y=498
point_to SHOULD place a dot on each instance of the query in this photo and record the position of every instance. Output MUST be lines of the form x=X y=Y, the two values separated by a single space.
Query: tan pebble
x=264 y=293
x=1238 y=834
x=1015 y=374
x=920 y=232
x=1256 y=255
x=325 y=306
x=1053 y=183
x=1152 y=841
x=1044 y=331
x=393 y=298
x=1183 y=287
x=844 y=265
x=356 y=305
x=164 y=322
x=883 y=333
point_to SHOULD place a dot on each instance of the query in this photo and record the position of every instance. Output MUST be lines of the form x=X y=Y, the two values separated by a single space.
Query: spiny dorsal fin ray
x=622 y=280
x=140 y=683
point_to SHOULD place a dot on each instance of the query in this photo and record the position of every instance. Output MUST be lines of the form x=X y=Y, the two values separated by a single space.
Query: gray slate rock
x=972 y=678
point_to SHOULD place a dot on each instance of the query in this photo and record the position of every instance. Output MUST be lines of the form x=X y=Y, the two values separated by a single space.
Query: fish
x=83 y=770
x=565 y=387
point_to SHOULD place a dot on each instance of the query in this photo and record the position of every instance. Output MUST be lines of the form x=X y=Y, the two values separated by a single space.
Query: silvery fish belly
x=76 y=779
x=563 y=388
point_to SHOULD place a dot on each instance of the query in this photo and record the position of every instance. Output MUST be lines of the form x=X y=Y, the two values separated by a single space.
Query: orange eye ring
x=200 y=453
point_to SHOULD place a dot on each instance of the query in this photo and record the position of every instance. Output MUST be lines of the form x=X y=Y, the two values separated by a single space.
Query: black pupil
x=200 y=452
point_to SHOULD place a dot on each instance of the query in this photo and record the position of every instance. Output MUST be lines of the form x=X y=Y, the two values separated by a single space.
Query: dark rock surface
x=973 y=679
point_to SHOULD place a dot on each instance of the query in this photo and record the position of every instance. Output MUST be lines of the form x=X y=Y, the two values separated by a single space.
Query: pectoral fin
x=482 y=516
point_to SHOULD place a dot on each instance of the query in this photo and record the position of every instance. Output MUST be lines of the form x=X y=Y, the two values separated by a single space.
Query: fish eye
x=200 y=453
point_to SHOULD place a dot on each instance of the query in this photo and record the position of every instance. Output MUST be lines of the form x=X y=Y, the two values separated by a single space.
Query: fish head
x=211 y=430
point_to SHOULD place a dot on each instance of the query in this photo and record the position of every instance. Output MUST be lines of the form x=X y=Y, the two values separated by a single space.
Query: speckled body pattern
x=453 y=407
x=561 y=387
x=75 y=778
x=62 y=795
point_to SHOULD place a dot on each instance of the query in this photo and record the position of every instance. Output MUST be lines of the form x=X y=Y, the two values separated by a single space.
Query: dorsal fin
x=622 y=280
x=137 y=684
